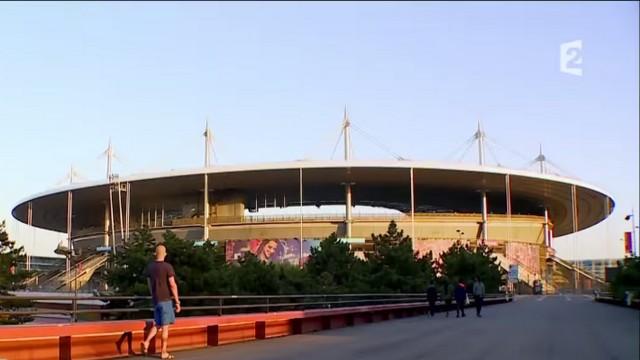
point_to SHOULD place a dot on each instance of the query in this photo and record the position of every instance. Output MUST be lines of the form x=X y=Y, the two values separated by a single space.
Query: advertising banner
x=628 y=243
x=271 y=250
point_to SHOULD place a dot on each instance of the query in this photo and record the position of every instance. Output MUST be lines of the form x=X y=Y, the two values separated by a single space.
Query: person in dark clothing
x=460 y=294
x=478 y=295
x=163 y=287
x=432 y=296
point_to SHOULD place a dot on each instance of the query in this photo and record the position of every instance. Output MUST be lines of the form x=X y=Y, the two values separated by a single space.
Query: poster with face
x=271 y=250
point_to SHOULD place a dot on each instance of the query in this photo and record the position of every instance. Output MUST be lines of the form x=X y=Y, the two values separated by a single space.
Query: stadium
x=516 y=213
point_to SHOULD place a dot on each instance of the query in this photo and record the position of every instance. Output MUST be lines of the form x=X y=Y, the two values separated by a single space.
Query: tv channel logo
x=571 y=57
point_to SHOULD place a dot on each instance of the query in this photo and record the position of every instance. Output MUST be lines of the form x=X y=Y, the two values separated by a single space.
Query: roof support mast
x=207 y=149
x=347 y=157
x=479 y=136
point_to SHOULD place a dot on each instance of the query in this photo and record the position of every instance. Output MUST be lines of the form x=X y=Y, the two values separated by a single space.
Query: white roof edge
x=320 y=164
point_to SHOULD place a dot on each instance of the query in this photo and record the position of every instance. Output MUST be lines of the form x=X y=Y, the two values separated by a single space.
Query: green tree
x=463 y=262
x=628 y=278
x=200 y=269
x=334 y=267
x=126 y=273
x=11 y=276
x=394 y=266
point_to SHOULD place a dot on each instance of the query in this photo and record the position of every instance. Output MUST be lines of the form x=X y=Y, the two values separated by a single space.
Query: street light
x=460 y=233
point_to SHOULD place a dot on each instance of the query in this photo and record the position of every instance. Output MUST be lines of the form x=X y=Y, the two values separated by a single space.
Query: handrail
x=258 y=302
x=578 y=269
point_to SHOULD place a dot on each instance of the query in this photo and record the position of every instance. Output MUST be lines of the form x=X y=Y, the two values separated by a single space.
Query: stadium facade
x=517 y=213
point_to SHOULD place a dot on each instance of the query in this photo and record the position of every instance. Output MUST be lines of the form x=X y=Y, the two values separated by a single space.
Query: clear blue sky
x=274 y=77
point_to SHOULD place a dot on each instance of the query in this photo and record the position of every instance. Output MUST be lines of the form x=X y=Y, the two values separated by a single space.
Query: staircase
x=524 y=275
x=77 y=276
x=564 y=275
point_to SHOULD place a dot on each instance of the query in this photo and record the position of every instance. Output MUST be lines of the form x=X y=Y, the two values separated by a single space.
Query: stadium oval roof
x=442 y=187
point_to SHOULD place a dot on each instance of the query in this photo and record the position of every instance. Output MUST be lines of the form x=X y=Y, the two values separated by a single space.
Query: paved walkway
x=532 y=327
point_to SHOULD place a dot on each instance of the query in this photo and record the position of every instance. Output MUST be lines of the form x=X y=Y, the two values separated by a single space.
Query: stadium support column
x=206 y=206
x=574 y=223
x=347 y=158
x=507 y=185
x=111 y=218
x=120 y=209
x=30 y=223
x=413 y=210
x=348 y=219
x=128 y=210
x=162 y=216
x=301 y=219
x=546 y=227
x=106 y=224
x=485 y=231
x=69 y=224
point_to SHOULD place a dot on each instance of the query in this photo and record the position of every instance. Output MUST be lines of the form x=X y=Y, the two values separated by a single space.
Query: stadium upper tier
x=441 y=188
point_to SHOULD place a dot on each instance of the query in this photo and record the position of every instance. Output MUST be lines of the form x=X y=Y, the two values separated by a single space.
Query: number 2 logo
x=571 y=57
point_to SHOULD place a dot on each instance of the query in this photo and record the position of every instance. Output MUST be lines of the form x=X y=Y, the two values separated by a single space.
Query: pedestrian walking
x=460 y=295
x=478 y=295
x=162 y=285
x=432 y=297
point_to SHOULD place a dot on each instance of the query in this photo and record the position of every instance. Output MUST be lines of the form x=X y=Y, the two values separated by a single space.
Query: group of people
x=457 y=293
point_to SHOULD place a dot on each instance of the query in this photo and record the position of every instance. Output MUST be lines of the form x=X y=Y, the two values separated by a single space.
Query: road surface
x=532 y=327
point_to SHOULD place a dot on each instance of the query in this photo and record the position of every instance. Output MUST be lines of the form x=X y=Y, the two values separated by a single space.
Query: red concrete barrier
x=111 y=339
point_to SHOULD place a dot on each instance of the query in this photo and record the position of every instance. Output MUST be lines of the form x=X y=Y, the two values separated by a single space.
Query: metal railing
x=106 y=306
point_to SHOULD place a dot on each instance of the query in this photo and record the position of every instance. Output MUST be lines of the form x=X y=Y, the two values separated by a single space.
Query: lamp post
x=634 y=239
x=460 y=233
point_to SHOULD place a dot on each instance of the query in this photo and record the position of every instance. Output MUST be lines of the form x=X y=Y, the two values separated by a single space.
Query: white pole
x=347 y=136
x=507 y=184
x=206 y=206
x=347 y=157
x=301 y=216
x=111 y=220
x=70 y=243
x=547 y=241
x=162 y=216
x=480 y=138
x=106 y=224
x=30 y=223
x=155 y=216
x=348 y=218
x=413 y=210
x=128 y=212
x=120 y=208
x=207 y=143
x=485 y=230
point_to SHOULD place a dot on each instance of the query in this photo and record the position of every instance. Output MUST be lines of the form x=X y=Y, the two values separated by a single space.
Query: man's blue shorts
x=163 y=313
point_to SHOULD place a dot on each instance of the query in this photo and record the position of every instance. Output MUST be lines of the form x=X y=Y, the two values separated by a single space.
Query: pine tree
x=393 y=264
x=461 y=262
x=11 y=276
x=334 y=267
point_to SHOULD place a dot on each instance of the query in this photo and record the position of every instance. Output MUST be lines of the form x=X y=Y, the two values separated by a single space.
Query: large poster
x=628 y=243
x=271 y=250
